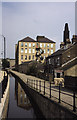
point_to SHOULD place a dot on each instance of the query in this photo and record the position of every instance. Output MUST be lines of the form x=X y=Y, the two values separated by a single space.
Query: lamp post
x=4 y=47
x=4 y=50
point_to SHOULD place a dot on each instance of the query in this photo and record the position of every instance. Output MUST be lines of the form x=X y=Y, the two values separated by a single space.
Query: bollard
x=27 y=81
x=40 y=86
x=59 y=93
x=44 y=87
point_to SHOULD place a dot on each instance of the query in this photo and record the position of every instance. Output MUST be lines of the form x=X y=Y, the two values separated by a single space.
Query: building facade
x=65 y=54
x=28 y=49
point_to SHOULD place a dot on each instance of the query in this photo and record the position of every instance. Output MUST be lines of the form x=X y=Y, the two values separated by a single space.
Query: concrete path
x=1 y=75
x=34 y=83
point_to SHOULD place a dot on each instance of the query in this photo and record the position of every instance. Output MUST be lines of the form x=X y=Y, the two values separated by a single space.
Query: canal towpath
x=67 y=96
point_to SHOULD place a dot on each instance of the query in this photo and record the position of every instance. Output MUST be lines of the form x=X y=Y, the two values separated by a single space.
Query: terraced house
x=28 y=49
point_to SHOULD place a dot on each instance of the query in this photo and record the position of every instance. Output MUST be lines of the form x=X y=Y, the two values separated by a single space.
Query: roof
x=61 y=50
x=27 y=39
x=44 y=39
x=58 y=52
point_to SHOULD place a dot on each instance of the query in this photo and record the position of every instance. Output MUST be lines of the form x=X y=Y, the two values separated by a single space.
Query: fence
x=47 y=89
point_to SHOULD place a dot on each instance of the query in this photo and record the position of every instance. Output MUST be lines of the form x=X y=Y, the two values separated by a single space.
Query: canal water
x=19 y=104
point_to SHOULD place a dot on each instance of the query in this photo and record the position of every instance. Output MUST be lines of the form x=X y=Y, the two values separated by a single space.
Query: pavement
x=1 y=75
x=65 y=94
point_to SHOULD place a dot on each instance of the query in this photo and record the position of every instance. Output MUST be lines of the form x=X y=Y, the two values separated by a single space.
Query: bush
x=32 y=69
x=5 y=64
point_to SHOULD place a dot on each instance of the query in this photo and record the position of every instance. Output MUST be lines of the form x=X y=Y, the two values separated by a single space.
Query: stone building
x=57 y=62
x=21 y=97
x=28 y=49
x=12 y=62
x=44 y=48
x=69 y=66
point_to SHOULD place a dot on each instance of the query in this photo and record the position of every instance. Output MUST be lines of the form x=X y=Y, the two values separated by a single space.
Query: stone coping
x=3 y=100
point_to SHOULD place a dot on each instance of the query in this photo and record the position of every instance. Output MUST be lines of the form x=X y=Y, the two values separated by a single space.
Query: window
x=58 y=75
x=33 y=50
x=29 y=57
x=21 y=50
x=58 y=61
x=41 y=51
x=44 y=57
x=33 y=44
x=37 y=44
x=48 y=51
x=29 y=50
x=25 y=44
x=21 y=98
x=25 y=50
x=44 y=51
x=33 y=57
x=25 y=57
x=25 y=96
x=44 y=45
x=48 y=45
x=51 y=51
x=21 y=57
x=29 y=44
x=49 y=61
x=40 y=44
x=51 y=45
x=22 y=44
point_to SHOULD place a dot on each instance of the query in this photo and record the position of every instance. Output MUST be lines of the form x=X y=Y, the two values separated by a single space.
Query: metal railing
x=48 y=90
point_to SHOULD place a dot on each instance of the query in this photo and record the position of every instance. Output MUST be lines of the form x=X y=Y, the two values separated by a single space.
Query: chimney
x=66 y=33
x=74 y=39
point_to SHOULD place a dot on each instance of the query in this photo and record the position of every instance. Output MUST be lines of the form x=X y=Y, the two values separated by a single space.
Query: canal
x=19 y=103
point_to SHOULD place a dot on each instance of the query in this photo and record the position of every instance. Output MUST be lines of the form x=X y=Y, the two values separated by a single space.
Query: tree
x=5 y=63
x=32 y=68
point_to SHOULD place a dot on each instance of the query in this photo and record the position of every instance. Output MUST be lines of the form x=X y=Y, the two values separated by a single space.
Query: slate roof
x=27 y=39
x=44 y=39
x=58 y=52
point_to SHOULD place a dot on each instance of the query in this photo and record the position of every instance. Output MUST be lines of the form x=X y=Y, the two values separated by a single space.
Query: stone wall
x=69 y=54
x=48 y=107
x=71 y=71
x=4 y=102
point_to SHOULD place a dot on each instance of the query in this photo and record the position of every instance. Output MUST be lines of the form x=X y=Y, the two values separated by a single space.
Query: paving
x=5 y=98
x=65 y=94
x=1 y=76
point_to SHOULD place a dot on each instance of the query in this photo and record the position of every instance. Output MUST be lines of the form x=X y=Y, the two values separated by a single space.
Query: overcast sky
x=22 y=19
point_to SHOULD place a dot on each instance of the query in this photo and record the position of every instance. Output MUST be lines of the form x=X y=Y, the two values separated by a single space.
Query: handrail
x=41 y=87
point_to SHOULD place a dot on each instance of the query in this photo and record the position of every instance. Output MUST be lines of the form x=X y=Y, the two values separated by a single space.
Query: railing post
x=59 y=93
x=44 y=87
x=27 y=81
x=74 y=108
x=37 y=84
x=50 y=89
x=34 y=84
x=40 y=86
x=31 y=83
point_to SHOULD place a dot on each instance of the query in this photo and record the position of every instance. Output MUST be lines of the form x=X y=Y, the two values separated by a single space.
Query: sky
x=22 y=19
